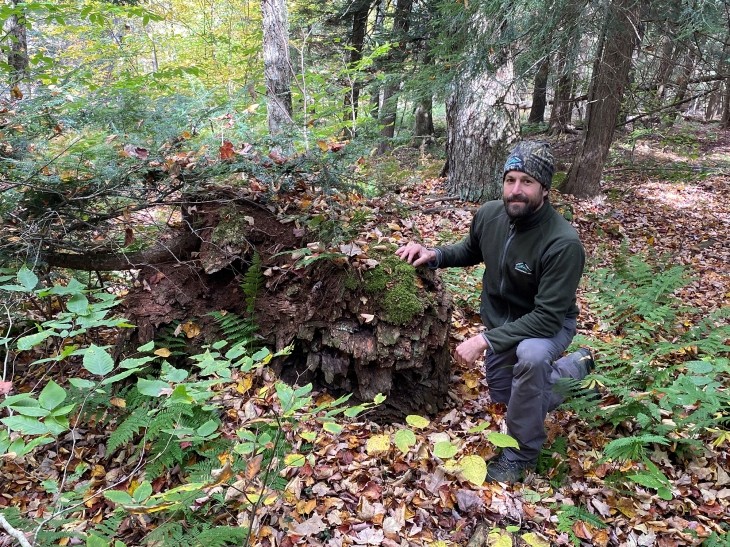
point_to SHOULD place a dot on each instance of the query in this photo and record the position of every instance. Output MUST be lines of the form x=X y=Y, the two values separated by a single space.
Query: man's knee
x=531 y=353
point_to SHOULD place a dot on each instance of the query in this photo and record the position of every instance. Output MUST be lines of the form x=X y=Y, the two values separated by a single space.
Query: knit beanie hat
x=533 y=158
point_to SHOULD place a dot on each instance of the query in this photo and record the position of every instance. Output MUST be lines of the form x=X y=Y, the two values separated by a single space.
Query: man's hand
x=416 y=254
x=470 y=350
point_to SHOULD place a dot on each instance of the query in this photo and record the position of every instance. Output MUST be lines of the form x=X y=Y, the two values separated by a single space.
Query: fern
x=236 y=330
x=631 y=448
x=568 y=515
x=220 y=536
x=253 y=280
x=169 y=534
x=127 y=430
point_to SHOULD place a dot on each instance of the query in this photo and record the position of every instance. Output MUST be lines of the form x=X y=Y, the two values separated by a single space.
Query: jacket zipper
x=507 y=243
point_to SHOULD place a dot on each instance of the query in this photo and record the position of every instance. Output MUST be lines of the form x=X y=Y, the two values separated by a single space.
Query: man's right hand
x=416 y=254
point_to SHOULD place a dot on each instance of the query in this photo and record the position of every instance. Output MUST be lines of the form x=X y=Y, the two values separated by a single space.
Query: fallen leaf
x=6 y=387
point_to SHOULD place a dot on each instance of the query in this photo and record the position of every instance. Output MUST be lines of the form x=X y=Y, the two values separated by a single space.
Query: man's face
x=522 y=194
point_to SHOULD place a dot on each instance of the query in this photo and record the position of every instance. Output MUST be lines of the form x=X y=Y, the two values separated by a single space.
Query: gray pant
x=525 y=378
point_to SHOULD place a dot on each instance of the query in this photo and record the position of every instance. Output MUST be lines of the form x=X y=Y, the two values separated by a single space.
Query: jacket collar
x=535 y=219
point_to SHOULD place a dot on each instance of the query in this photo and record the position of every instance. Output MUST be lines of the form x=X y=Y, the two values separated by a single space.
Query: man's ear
x=545 y=192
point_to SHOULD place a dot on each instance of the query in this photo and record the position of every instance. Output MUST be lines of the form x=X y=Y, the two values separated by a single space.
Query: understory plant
x=173 y=458
x=664 y=366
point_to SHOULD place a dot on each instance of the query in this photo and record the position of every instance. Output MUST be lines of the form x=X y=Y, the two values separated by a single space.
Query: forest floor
x=663 y=194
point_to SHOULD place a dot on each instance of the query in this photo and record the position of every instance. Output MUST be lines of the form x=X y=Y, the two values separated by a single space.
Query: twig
x=17 y=534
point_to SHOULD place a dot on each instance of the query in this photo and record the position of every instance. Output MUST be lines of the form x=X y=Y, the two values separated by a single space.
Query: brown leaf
x=226 y=151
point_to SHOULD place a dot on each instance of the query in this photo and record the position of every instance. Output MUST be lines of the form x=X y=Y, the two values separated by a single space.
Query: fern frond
x=253 y=280
x=221 y=536
x=127 y=430
x=631 y=448
x=236 y=330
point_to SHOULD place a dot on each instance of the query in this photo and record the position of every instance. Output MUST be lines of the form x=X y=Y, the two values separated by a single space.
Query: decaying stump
x=361 y=321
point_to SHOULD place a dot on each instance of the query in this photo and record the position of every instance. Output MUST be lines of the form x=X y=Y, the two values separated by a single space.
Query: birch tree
x=277 y=65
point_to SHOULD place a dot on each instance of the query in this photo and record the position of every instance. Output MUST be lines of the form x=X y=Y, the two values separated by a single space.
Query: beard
x=521 y=206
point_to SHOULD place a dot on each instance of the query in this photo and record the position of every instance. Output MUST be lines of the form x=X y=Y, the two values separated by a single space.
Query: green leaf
x=152 y=388
x=56 y=425
x=92 y=540
x=78 y=304
x=32 y=340
x=419 y=422
x=25 y=425
x=479 y=427
x=119 y=496
x=379 y=399
x=98 y=361
x=81 y=383
x=445 y=450
x=120 y=376
x=208 y=428
x=474 y=469
x=149 y=346
x=404 y=439
x=27 y=278
x=700 y=367
x=73 y=287
x=52 y=395
x=332 y=427
x=500 y=440
x=142 y=492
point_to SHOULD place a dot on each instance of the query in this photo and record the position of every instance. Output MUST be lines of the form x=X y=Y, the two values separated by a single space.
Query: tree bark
x=389 y=99
x=277 y=65
x=359 y=13
x=481 y=115
x=562 y=110
x=608 y=83
x=18 y=51
x=423 y=129
x=539 y=93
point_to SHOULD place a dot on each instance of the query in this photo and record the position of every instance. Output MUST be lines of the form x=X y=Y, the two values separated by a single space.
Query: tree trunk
x=725 y=69
x=481 y=125
x=389 y=99
x=608 y=83
x=18 y=51
x=688 y=68
x=423 y=129
x=567 y=51
x=539 y=93
x=357 y=40
x=666 y=67
x=277 y=65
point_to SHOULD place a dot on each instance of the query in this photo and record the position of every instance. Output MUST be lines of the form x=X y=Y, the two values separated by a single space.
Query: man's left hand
x=470 y=350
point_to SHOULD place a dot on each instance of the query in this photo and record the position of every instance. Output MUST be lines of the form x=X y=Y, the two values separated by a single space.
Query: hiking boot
x=583 y=358
x=502 y=469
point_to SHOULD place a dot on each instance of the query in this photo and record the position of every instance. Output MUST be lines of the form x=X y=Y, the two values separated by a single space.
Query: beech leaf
x=474 y=469
x=378 y=445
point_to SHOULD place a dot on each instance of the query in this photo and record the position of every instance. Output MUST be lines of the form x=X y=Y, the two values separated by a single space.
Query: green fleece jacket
x=533 y=267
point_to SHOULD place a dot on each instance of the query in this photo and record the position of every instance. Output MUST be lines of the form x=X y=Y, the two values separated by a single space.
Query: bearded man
x=534 y=261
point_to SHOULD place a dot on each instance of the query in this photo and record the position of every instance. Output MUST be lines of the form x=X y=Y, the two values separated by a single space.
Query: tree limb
x=174 y=250
x=17 y=534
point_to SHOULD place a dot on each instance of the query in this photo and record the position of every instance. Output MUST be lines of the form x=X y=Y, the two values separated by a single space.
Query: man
x=534 y=261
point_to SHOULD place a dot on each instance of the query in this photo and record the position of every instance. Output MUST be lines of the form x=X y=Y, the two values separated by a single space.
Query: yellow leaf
x=244 y=384
x=294 y=460
x=148 y=509
x=190 y=329
x=118 y=402
x=498 y=538
x=534 y=540
x=474 y=469
x=472 y=379
x=323 y=146
x=419 y=422
x=378 y=445
x=163 y=352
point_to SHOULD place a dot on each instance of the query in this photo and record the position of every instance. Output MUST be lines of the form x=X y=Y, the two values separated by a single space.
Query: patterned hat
x=533 y=158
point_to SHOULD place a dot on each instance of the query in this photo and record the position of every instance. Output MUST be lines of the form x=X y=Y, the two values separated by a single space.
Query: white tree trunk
x=277 y=65
x=481 y=116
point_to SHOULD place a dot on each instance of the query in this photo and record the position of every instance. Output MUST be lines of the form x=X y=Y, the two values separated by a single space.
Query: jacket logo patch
x=523 y=268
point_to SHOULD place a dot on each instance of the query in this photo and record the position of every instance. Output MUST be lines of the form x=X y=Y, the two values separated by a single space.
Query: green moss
x=393 y=282
x=351 y=282
x=231 y=227
x=401 y=304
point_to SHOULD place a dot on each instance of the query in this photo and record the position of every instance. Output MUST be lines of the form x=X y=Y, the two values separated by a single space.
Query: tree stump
x=359 y=319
